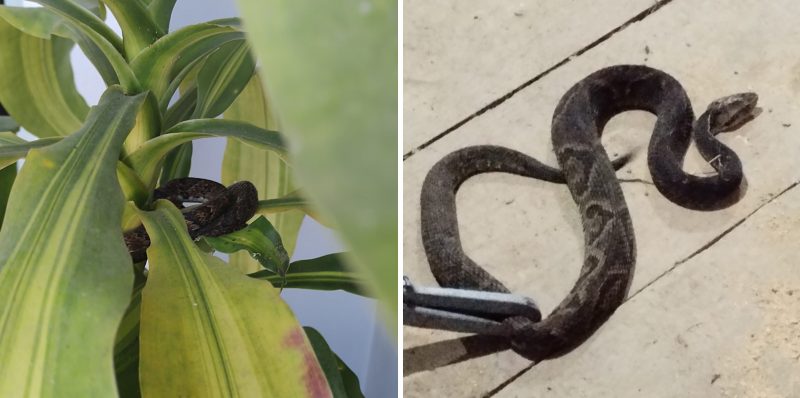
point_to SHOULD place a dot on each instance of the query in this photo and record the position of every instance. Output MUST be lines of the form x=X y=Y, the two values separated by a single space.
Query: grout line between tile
x=510 y=380
x=712 y=241
x=638 y=17
x=674 y=266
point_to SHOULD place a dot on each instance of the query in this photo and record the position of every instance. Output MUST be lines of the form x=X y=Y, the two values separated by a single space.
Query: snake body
x=609 y=244
x=221 y=210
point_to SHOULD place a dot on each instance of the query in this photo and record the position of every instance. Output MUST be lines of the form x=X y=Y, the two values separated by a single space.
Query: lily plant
x=77 y=317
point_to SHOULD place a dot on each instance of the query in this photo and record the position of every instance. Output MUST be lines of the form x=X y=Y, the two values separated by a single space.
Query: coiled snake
x=609 y=254
x=221 y=210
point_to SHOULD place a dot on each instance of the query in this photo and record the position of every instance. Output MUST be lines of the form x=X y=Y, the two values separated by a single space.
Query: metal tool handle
x=467 y=311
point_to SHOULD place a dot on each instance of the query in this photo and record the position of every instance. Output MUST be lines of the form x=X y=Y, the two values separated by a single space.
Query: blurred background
x=350 y=324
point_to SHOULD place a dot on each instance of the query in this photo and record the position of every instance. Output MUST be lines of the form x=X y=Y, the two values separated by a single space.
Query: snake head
x=731 y=112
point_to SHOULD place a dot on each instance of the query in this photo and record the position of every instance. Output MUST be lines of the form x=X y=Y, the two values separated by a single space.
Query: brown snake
x=221 y=211
x=609 y=244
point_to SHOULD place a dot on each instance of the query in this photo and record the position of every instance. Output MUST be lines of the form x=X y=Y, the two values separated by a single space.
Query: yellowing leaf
x=330 y=69
x=265 y=169
x=65 y=273
x=208 y=330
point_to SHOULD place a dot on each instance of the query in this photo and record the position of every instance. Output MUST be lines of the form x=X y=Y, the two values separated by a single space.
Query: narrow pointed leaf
x=148 y=125
x=161 y=11
x=182 y=109
x=85 y=18
x=139 y=30
x=43 y=23
x=65 y=273
x=335 y=369
x=95 y=6
x=223 y=76
x=13 y=148
x=126 y=347
x=225 y=334
x=104 y=55
x=336 y=94
x=322 y=273
x=265 y=169
x=148 y=157
x=132 y=186
x=291 y=201
x=183 y=80
x=177 y=164
x=7 y=174
x=37 y=22
x=158 y=65
x=7 y=177
x=7 y=123
x=36 y=83
x=260 y=239
x=100 y=44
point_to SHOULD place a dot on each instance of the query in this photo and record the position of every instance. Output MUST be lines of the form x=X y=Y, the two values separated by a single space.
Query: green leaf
x=7 y=177
x=260 y=239
x=148 y=125
x=84 y=18
x=322 y=273
x=7 y=174
x=265 y=169
x=8 y=137
x=291 y=201
x=95 y=6
x=126 y=347
x=161 y=11
x=182 y=109
x=38 y=22
x=139 y=30
x=132 y=186
x=148 y=157
x=8 y=124
x=223 y=333
x=185 y=80
x=177 y=164
x=43 y=23
x=335 y=369
x=13 y=148
x=64 y=269
x=103 y=55
x=159 y=64
x=223 y=76
x=36 y=83
x=101 y=45
x=336 y=94
x=97 y=56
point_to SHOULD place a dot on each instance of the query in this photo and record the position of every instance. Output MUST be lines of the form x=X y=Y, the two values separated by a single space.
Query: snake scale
x=220 y=211
x=609 y=244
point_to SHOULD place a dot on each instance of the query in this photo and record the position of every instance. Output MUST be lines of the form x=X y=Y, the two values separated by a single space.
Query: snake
x=220 y=210
x=609 y=242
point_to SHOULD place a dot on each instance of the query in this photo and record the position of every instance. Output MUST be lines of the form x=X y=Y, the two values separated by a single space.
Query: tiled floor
x=714 y=309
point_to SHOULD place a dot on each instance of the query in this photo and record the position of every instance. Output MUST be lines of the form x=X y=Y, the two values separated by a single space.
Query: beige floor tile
x=724 y=324
x=528 y=234
x=461 y=55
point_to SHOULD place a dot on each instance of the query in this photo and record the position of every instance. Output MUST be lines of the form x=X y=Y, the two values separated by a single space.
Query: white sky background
x=349 y=323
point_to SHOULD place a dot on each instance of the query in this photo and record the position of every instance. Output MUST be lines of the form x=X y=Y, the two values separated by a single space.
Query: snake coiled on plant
x=609 y=244
x=220 y=211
